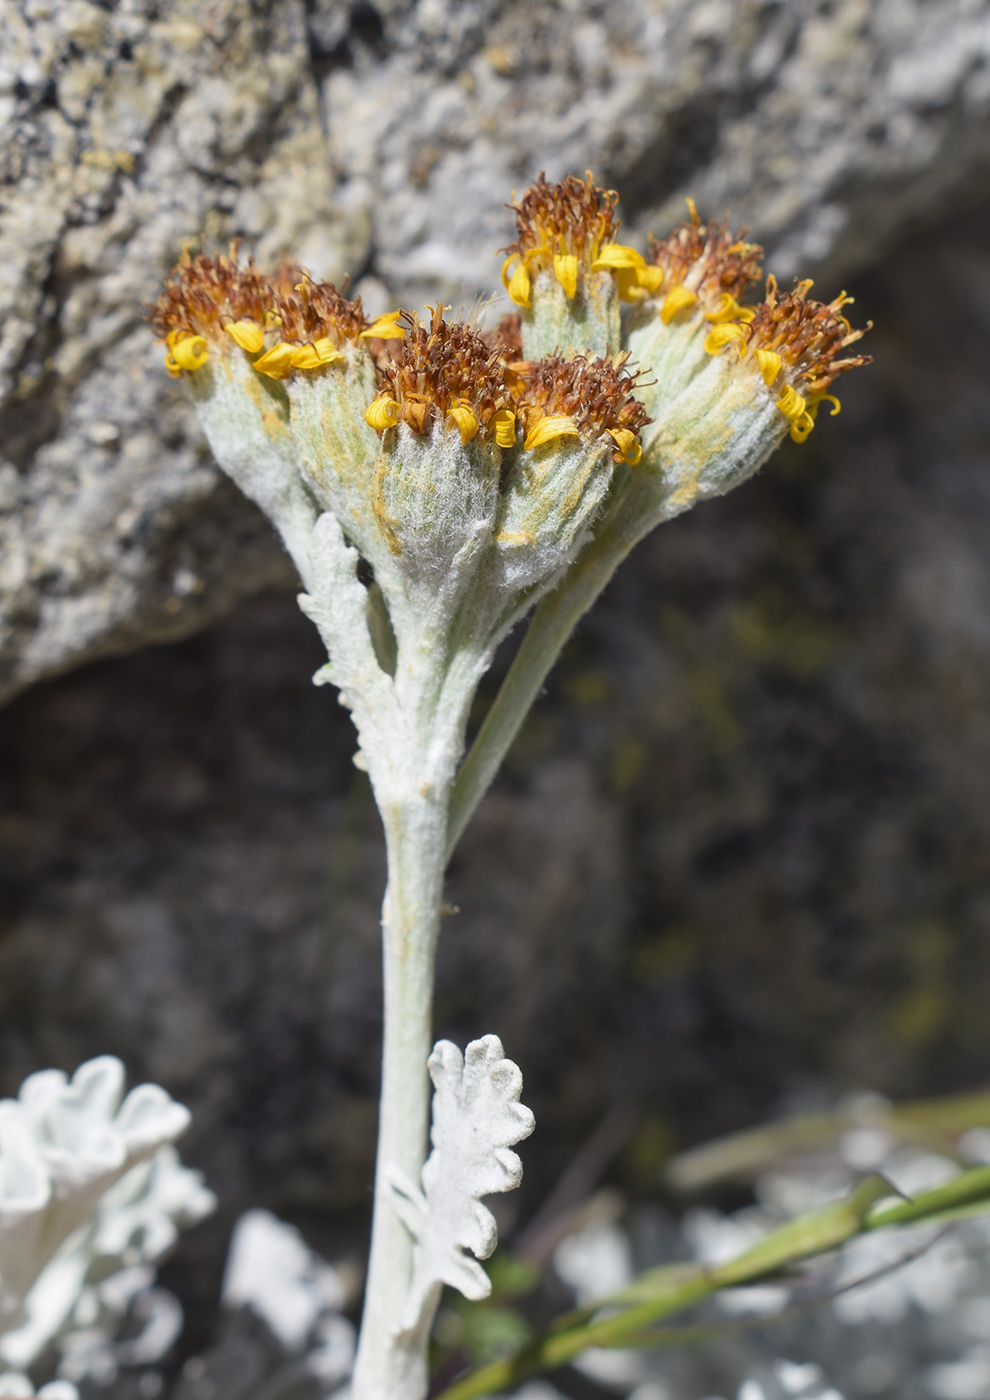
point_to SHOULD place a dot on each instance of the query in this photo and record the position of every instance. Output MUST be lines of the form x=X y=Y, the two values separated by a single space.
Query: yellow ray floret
x=247 y=334
x=385 y=328
x=464 y=418
x=548 y=430
x=677 y=299
x=278 y=362
x=382 y=414
x=730 y=310
x=729 y=334
x=519 y=283
x=504 y=422
x=791 y=403
x=314 y=356
x=770 y=363
x=628 y=444
x=635 y=278
x=565 y=267
x=185 y=351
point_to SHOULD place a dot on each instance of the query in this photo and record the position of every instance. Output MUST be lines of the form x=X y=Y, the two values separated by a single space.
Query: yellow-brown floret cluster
x=214 y=299
x=797 y=345
x=593 y=396
x=569 y=228
x=442 y=371
x=709 y=258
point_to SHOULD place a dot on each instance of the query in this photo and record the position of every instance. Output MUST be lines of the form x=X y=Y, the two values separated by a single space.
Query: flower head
x=569 y=229
x=705 y=268
x=796 y=346
x=214 y=302
x=207 y=295
x=582 y=398
x=444 y=371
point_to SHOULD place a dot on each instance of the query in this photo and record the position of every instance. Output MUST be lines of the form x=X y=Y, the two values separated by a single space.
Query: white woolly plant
x=434 y=485
x=89 y=1186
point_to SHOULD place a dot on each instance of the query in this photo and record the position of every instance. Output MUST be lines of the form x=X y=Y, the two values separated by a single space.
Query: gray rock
x=381 y=142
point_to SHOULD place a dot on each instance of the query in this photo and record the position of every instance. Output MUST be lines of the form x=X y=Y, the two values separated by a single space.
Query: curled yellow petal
x=650 y=278
x=382 y=414
x=320 y=352
x=830 y=398
x=465 y=419
x=186 y=352
x=615 y=255
x=627 y=284
x=385 y=327
x=792 y=405
x=505 y=427
x=247 y=334
x=730 y=310
x=505 y=270
x=802 y=427
x=519 y=285
x=720 y=336
x=677 y=299
x=565 y=266
x=628 y=444
x=770 y=363
x=278 y=362
x=548 y=429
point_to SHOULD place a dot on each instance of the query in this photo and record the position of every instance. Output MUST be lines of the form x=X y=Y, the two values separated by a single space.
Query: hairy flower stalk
x=475 y=477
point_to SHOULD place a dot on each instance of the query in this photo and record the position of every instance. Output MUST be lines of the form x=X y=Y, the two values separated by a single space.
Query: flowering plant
x=435 y=483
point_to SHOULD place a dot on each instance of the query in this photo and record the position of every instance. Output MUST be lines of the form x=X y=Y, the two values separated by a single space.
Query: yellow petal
x=565 y=266
x=792 y=405
x=627 y=284
x=770 y=363
x=277 y=362
x=548 y=429
x=505 y=427
x=615 y=255
x=730 y=310
x=802 y=427
x=464 y=416
x=720 y=336
x=677 y=299
x=627 y=443
x=321 y=352
x=505 y=270
x=519 y=285
x=830 y=398
x=382 y=414
x=247 y=334
x=188 y=352
x=385 y=328
x=650 y=278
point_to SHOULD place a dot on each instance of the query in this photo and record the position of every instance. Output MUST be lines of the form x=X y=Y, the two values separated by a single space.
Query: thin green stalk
x=668 y=1290
x=932 y=1123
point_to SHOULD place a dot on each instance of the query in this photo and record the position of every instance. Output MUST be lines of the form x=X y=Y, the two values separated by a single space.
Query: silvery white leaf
x=477 y=1117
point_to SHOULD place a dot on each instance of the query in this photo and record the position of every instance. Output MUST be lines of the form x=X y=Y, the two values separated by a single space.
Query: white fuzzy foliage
x=477 y=1118
x=77 y=1185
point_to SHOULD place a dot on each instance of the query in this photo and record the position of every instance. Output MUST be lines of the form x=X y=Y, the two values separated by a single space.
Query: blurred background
x=738 y=862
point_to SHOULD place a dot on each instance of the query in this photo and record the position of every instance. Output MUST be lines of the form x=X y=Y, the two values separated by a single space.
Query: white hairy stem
x=391 y=1366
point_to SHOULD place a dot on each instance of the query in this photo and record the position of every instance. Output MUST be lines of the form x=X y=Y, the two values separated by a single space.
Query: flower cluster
x=568 y=230
x=797 y=346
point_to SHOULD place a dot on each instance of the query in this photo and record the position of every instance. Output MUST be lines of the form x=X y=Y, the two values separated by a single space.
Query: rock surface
x=381 y=141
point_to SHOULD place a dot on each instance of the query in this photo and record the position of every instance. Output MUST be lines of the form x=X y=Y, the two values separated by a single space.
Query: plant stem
x=388 y=1368
x=552 y=623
